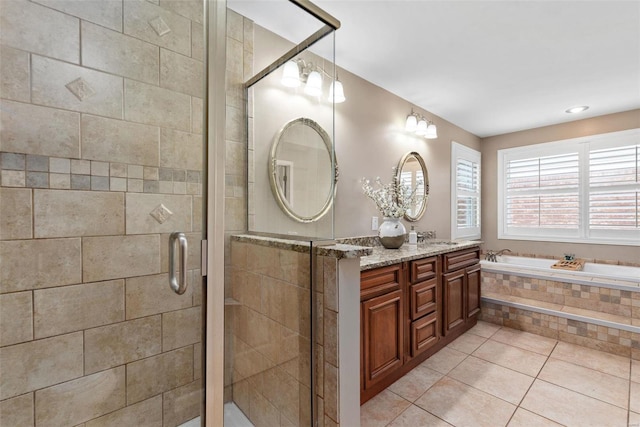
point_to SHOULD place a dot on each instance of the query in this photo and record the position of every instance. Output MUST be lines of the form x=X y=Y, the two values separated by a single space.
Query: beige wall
x=370 y=140
x=579 y=128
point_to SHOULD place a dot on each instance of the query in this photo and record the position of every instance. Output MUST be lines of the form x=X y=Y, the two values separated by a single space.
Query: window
x=465 y=192
x=578 y=190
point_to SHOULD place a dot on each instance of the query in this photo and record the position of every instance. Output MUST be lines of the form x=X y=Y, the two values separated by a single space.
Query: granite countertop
x=382 y=257
x=327 y=248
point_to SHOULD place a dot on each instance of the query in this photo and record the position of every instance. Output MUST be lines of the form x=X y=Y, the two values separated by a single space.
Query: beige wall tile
x=143 y=380
x=38 y=29
x=17 y=411
x=156 y=106
x=15 y=213
x=140 y=206
x=196 y=115
x=102 y=93
x=37 y=364
x=32 y=129
x=64 y=213
x=14 y=74
x=16 y=318
x=180 y=150
x=119 y=54
x=152 y=295
x=121 y=343
x=197 y=41
x=74 y=308
x=35 y=264
x=182 y=404
x=174 y=32
x=119 y=141
x=81 y=400
x=235 y=25
x=114 y=257
x=181 y=73
x=181 y=328
x=107 y=13
x=147 y=413
x=192 y=9
x=197 y=361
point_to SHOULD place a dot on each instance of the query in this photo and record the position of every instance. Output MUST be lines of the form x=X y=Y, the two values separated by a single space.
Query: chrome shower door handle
x=178 y=286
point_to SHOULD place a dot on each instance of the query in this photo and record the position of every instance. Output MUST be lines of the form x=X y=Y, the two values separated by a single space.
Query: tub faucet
x=492 y=256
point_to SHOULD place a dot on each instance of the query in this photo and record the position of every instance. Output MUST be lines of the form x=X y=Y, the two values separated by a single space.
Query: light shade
x=336 y=92
x=579 y=109
x=314 y=84
x=290 y=75
x=422 y=127
x=412 y=123
x=432 y=131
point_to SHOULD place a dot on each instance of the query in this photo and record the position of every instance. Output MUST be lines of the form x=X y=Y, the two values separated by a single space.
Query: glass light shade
x=432 y=131
x=336 y=92
x=422 y=127
x=290 y=75
x=412 y=123
x=314 y=84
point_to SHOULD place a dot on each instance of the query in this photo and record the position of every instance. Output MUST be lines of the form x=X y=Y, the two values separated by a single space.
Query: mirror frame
x=425 y=174
x=275 y=189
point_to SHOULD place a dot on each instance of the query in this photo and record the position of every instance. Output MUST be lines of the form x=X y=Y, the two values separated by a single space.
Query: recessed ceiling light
x=577 y=109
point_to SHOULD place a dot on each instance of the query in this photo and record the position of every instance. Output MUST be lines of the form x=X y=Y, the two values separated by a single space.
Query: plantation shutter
x=466 y=192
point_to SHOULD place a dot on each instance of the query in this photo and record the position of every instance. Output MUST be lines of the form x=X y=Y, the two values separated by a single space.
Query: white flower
x=392 y=199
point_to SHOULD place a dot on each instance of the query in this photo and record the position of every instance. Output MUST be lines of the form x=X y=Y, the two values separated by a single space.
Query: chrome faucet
x=493 y=256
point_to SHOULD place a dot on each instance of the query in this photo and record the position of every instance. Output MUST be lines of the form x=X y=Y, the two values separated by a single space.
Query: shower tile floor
x=496 y=376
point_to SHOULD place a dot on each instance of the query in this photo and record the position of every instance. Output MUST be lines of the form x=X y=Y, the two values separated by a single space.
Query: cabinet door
x=382 y=328
x=454 y=299
x=424 y=334
x=473 y=291
x=423 y=298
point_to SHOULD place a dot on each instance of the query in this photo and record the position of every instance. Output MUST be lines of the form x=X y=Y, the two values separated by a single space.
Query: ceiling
x=489 y=67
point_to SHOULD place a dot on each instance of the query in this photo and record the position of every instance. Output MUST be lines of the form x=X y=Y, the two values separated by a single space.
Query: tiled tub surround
x=100 y=159
x=590 y=310
x=269 y=326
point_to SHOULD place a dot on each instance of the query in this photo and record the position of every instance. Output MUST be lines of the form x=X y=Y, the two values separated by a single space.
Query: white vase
x=392 y=233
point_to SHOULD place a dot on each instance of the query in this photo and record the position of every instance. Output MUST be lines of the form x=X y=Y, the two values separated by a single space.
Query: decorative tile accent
x=80 y=88
x=159 y=26
x=161 y=213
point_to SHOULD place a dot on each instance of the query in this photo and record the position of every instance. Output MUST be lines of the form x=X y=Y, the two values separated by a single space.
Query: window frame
x=460 y=151
x=584 y=233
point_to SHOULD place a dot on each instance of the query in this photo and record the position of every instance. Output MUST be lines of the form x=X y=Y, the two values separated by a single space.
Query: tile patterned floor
x=495 y=376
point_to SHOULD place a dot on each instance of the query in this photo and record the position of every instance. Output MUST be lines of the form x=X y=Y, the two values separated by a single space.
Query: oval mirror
x=302 y=177
x=412 y=172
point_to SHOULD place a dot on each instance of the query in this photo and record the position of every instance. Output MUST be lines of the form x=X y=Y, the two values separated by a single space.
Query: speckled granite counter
x=323 y=247
x=382 y=257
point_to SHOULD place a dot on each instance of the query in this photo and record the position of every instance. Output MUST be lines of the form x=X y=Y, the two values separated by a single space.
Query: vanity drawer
x=424 y=334
x=423 y=269
x=380 y=281
x=424 y=298
x=460 y=259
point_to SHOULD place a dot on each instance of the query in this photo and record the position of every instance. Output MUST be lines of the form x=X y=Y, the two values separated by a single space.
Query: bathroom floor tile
x=635 y=397
x=570 y=408
x=601 y=386
x=415 y=383
x=524 y=418
x=414 y=416
x=634 y=419
x=523 y=361
x=493 y=379
x=594 y=359
x=484 y=329
x=463 y=405
x=635 y=371
x=525 y=340
x=467 y=343
x=444 y=360
x=382 y=409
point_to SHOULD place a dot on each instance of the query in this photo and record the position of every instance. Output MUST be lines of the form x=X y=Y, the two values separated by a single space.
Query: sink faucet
x=492 y=255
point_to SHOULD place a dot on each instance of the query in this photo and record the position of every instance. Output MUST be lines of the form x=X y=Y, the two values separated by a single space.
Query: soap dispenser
x=413 y=237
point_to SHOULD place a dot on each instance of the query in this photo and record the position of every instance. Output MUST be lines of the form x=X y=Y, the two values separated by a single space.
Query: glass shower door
x=101 y=159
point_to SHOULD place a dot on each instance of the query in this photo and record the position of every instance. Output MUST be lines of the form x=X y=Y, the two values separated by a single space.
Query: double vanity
x=413 y=302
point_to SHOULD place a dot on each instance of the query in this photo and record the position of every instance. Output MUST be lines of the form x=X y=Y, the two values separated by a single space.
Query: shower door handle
x=178 y=286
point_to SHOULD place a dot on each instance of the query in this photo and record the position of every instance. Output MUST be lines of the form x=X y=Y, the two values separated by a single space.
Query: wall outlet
x=374 y=223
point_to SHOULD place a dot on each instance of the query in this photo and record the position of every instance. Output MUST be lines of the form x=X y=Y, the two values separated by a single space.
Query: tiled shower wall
x=100 y=159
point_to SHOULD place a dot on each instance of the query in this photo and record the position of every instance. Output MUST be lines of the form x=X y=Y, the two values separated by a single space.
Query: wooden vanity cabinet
x=412 y=309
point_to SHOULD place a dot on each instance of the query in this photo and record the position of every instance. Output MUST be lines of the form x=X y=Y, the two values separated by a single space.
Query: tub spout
x=502 y=251
x=492 y=256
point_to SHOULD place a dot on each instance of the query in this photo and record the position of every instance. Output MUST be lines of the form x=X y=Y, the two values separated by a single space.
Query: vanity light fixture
x=297 y=71
x=578 y=109
x=420 y=126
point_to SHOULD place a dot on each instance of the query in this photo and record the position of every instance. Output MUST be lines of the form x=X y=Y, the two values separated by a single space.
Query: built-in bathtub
x=598 y=307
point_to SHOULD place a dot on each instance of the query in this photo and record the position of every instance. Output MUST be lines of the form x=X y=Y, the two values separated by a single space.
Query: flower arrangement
x=392 y=199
